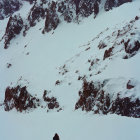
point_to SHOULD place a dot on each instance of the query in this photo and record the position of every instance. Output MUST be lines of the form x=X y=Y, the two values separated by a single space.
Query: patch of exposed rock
x=14 y=27
x=19 y=98
x=96 y=98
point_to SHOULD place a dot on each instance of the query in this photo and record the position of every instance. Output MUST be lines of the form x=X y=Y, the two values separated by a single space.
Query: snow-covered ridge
x=121 y=95
x=79 y=80
x=96 y=61
x=54 y=12
x=7 y=8
x=107 y=95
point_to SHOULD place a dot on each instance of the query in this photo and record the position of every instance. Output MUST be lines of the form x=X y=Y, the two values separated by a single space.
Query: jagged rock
x=36 y=12
x=51 y=102
x=68 y=16
x=102 y=45
x=77 y=5
x=113 y=3
x=93 y=98
x=58 y=82
x=52 y=19
x=62 y=7
x=126 y=107
x=8 y=7
x=14 y=27
x=88 y=7
x=66 y=11
x=108 y=53
x=130 y=85
x=70 y=10
x=19 y=98
x=132 y=48
x=96 y=8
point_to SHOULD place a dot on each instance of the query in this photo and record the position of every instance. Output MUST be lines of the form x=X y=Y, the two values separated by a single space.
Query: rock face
x=19 y=98
x=51 y=102
x=14 y=27
x=114 y=3
x=35 y=14
x=108 y=53
x=130 y=48
x=8 y=7
x=94 y=97
x=88 y=7
x=52 y=12
x=52 y=19
x=68 y=8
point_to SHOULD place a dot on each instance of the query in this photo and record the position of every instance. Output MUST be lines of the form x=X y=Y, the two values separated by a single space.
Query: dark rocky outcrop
x=52 y=19
x=114 y=3
x=51 y=101
x=8 y=7
x=94 y=98
x=19 y=98
x=126 y=107
x=132 y=48
x=108 y=53
x=66 y=11
x=96 y=8
x=14 y=27
x=129 y=85
x=69 y=10
x=102 y=45
x=88 y=7
x=80 y=7
x=36 y=12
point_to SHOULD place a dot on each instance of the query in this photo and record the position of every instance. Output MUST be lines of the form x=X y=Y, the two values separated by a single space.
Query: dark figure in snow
x=77 y=5
x=56 y=137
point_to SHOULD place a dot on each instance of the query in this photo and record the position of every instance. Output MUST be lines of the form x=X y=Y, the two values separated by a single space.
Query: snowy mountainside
x=77 y=80
x=7 y=8
x=54 y=12
x=25 y=61
x=101 y=60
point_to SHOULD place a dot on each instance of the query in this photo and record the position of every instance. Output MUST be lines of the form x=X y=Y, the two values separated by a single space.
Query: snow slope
x=36 y=62
x=69 y=125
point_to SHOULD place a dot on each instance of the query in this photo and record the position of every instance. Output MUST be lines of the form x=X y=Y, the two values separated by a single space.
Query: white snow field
x=37 y=66
x=69 y=125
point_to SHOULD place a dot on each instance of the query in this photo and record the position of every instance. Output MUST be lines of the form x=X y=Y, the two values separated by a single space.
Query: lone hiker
x=56 y=137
